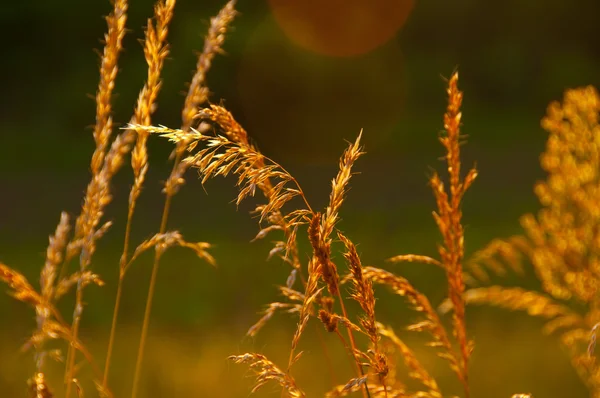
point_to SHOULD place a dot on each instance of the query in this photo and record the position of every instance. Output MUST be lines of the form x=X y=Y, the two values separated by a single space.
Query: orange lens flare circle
x=341 y=28
x=291 y=98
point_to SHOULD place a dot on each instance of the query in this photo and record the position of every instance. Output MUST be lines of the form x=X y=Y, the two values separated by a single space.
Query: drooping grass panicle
x=197 y=93
x=287 y=223
x=267 y=371
x=161 y=242
x=213 y=44
x=221 y=157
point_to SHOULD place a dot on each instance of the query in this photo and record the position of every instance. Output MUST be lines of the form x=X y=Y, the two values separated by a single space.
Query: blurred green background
x=302 y=77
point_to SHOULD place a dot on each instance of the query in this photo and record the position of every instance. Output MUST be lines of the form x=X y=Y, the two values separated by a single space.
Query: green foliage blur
x=299 y=106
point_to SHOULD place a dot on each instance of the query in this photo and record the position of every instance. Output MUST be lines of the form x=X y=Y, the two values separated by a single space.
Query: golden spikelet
x=339 y=187
x=213 y=44
x=266 y=371
x=414 y=258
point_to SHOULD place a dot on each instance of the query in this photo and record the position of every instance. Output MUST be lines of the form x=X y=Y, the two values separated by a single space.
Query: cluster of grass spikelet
x=562 y=242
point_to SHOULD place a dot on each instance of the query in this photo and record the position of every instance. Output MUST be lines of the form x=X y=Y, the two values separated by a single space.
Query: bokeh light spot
x=341 y=27
x=302 y=106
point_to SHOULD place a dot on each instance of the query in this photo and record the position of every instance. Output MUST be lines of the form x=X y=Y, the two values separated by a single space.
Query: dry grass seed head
x=266 y=371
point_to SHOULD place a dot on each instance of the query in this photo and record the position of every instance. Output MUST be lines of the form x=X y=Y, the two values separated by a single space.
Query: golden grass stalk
x=155 y=51
x=267 y=371
x=448 y=218
x=197 y=94
x=97 y=194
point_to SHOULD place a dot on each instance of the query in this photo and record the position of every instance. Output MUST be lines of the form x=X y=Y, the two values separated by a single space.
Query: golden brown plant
x=107 y=159
x=448 y=219
x=562 y=241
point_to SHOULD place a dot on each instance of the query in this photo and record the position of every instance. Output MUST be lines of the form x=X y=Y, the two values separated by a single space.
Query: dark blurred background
x=302 y=77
